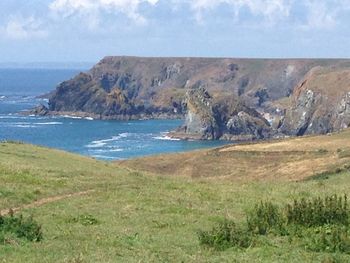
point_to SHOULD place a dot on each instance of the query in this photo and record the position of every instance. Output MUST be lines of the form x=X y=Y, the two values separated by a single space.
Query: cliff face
x=153 y=86
x=84 y=94
x=219 y=97
x=320 y=103
x=227 y=118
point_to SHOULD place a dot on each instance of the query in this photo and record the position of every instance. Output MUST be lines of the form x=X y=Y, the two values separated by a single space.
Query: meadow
x=94 y=211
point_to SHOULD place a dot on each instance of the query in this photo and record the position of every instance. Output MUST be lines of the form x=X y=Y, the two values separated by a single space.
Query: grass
x=322 y=224
x=290 y=159
x=134 y=216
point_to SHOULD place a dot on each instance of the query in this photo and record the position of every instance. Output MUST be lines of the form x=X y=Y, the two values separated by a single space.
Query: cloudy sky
x=87 y=30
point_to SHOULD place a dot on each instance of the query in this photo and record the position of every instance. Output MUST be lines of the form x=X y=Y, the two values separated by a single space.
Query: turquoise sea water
x=108 y=140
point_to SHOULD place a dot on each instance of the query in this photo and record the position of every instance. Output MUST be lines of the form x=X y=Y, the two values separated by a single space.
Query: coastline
x=40 y=111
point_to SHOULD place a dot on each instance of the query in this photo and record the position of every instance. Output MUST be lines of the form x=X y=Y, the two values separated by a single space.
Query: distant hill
x=46 y=65
x=137 y=88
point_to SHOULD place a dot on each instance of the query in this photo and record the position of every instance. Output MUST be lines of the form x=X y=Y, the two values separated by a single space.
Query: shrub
x=330 y=239
x=226 y=234
x=265 y=217
x=318 y=212
x=22 y=228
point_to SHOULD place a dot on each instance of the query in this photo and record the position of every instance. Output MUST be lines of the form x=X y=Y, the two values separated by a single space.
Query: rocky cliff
x=227 y=119
x=320 y=103
x=154 y=86
x=219 y=97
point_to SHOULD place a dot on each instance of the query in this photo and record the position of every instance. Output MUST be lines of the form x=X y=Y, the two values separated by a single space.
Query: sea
x=20 y=90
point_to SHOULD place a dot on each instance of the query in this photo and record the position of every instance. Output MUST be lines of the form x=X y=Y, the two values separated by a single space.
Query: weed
x=330 y=239
x=20 y=227
x=264 y=217
x=318 y=212
x=226 y=234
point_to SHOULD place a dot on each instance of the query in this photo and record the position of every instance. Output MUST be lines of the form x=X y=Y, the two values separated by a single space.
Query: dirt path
x=44 y=201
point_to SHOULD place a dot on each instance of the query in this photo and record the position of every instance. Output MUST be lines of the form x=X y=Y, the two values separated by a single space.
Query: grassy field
x=290 y=159
x=150 y=216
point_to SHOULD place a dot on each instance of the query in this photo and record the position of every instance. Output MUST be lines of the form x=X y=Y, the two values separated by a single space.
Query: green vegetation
x=226 y=234
x=133 y=216
x=85 y=220
x=329 y=239
x=265 y=217
x=20 y=228
x=322 y=223
x=319 y=212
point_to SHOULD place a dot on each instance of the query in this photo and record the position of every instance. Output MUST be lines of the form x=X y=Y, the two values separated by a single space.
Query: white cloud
x=320 y=15
x=270 y=10
x=127 y=7
x=18 y=27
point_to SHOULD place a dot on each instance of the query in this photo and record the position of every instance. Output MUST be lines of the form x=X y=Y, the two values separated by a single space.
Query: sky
x=88 y=30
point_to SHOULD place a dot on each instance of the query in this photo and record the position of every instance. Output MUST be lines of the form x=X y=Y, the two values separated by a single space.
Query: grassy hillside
x=129 y=216
x=291 y=159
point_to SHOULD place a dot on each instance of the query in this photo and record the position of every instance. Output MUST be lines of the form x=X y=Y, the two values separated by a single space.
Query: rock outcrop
x=226 y=119
x=40 y=110
x=320 y=103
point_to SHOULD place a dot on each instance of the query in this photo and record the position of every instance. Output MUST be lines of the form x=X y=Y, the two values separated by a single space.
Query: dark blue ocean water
x=108 y=140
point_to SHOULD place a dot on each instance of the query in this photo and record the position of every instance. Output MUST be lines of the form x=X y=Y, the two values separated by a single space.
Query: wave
x=71 y=117
x=48 y=123
x=23 y=126
x=102 y=143
x=165 y=137
x=2 y=97
x=98 y=156
x=19 y=117
x=77 y=117
x=108 y=150
x=105 y=141
x=96 y=144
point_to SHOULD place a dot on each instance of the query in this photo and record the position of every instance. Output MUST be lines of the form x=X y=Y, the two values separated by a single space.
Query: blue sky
x=87 y=30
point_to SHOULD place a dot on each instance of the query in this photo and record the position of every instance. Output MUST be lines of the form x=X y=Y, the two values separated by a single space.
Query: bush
x=323 y=223
x=22 y=228
x=226 y=234
x=265 y=217
x=318 y=212
x=330 y=239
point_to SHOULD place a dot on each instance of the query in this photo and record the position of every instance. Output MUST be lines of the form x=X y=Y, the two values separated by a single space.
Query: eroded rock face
x=320 y=104
x=157 y=86
x=227 y=119
x=220 y=98
x=201 y=119
x=82 y=94
x=247 y=126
